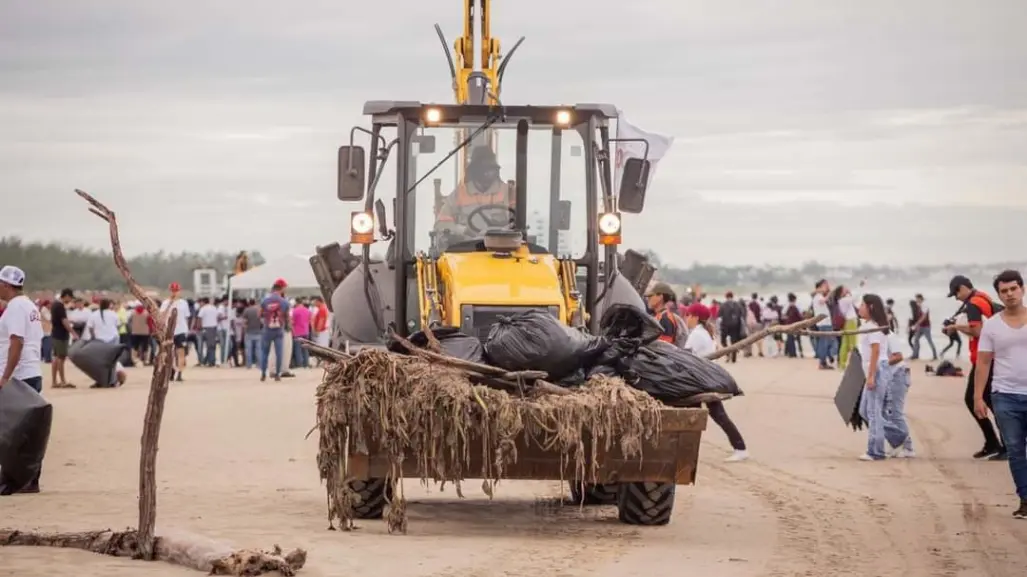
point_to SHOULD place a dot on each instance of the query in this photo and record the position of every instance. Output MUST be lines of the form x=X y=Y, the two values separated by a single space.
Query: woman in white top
x=103 y=323
x=896 y=430
x=847 y=308
x=873 y=350
x=700 y=343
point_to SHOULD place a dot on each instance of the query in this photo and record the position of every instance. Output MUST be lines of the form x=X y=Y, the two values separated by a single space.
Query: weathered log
x=187 y=551
x=863 y=331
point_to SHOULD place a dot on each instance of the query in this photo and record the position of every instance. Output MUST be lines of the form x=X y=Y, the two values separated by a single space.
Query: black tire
x=374 y=496
x=645 y=503
x=594 y=494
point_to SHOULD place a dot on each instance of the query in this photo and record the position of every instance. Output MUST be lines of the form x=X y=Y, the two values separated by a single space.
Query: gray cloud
x=223 y=116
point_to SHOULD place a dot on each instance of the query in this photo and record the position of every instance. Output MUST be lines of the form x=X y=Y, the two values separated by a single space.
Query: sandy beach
x=234 y=466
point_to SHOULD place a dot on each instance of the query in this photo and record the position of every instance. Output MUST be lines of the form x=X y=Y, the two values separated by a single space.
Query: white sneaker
x=737 y=457
x=904 y=453
x=866 y=457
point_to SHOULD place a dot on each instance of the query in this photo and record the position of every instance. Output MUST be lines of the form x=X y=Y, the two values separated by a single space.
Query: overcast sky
x=207 y=125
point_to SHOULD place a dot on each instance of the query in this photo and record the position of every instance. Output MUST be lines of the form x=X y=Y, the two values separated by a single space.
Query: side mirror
x=352 y=167
x=425 y=143
x=563 y=215
x=633 y=183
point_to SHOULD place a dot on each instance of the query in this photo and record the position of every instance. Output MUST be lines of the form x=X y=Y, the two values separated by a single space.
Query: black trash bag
x=671 y=375
x=628 y=322
x=97 y=360
x=537 y=341
x=25 y=419
x=454 y=344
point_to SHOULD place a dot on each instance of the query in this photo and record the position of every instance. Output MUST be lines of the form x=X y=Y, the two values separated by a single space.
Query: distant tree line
x=53 y=266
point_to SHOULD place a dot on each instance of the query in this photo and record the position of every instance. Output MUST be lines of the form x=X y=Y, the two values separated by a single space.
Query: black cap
x=67 y=293
x=959 y=281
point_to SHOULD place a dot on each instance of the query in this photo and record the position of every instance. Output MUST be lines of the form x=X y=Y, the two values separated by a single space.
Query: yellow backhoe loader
x=494 y=246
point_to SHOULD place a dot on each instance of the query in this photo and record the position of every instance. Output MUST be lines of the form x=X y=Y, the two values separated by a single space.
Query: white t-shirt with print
x=867 y=340
x=1009 y=349
x=699 y=342
x=21 y=319
x=895 y=346
x=182 y=322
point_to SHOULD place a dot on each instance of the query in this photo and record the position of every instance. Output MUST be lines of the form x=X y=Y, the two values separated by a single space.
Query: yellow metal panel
x=483 y=278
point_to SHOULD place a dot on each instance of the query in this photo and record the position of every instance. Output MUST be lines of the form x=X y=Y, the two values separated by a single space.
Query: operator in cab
x=482 y=189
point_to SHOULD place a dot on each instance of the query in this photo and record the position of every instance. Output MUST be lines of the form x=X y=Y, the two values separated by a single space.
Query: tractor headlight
x=432 y=115
x=361 y=223
x=563 y=118
x=609 y=224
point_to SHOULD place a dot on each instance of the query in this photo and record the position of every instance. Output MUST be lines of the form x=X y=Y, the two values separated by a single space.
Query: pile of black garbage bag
x=25 y=419
x=627 y=346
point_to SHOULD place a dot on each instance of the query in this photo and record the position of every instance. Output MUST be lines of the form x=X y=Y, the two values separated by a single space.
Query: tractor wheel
x=645 y=503
x=374 y=495
x=593 y=494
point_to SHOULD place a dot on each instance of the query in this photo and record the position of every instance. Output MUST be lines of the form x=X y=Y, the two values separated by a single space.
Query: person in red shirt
x=978 y=306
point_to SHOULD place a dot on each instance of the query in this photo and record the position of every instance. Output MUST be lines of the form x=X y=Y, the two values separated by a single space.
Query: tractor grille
x=477 y=319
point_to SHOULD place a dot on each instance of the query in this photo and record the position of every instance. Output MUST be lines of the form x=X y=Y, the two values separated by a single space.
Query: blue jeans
x=871 y=408
x=223 y=342
x=277 y=338
x=824 y=347
x=300 y=355
x=46 y=349
x=1011 y=414
x=896 y=430
x=923 y=333
x=253 y=344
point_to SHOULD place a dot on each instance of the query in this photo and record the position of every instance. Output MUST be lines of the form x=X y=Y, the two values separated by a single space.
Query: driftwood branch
x=758 y=336
x=142 y=543
x=842 y=333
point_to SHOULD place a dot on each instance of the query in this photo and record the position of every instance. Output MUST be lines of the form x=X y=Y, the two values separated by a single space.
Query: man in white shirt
x=1002 y=353
x=181 y=325
x=822 y=345
x=208 y=315
x=225 y=316
x=21 y=340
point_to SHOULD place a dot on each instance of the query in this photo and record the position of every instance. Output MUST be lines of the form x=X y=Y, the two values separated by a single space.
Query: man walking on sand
x=60 y=337
x=274 y=310
x=1002 y=360
x=21 y=341
x=979 y=307
x=181 y=325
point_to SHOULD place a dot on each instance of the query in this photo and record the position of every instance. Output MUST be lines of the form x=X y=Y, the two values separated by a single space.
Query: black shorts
x=180 y=341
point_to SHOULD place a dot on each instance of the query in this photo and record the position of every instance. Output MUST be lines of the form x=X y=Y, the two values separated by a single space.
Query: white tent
x=293 y=269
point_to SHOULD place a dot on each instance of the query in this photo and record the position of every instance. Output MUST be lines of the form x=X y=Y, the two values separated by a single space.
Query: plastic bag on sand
x=671 y=375
x=536 y=340
x=25 y=418
x=454 y=344
x=628 y=322
x=96 y=359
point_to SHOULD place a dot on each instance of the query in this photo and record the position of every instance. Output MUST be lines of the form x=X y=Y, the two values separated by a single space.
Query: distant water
x=940 y=307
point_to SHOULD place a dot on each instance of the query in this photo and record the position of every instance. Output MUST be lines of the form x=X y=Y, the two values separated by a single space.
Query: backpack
x=732 y=315
x=837 y=318
x=680 y=329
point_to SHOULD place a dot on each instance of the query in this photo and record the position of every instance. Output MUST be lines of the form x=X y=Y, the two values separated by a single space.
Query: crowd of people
x=867 y=324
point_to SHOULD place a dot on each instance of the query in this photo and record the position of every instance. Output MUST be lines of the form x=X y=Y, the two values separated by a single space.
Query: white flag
x=658 y=147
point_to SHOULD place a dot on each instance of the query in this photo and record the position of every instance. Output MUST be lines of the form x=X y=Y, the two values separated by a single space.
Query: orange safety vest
x=462 y=198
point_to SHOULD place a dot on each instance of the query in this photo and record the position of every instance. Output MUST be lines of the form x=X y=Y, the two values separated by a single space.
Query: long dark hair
x=105 y=304
x=835 y=294
x=877 y=311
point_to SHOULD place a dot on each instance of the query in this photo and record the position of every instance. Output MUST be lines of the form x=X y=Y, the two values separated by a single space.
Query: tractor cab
x=494 y=209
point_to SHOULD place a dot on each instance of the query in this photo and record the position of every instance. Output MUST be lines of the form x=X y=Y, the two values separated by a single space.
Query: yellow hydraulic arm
x=492 y=65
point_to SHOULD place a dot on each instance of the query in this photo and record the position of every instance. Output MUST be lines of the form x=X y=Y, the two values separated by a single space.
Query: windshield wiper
x=470 y=138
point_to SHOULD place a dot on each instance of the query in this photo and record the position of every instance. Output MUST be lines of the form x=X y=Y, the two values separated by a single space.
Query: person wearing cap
x=660 y=299
x=700 y=343
x=482 y=186
x=21 y=339
x=274 y=311
x=181 y=325
x=978 y=307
